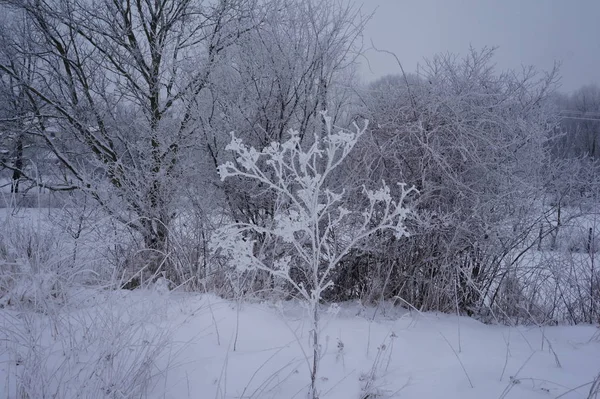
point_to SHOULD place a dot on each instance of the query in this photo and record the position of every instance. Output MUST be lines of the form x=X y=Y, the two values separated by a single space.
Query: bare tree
x=300 y=61
x=474 y=142
x=19 y=112
x=580 y=123
x=314 y=225
x=120 y=80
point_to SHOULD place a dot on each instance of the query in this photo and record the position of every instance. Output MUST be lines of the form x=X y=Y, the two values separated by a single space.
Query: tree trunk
x=18 y=164
x=314 y=394
x=155 y=231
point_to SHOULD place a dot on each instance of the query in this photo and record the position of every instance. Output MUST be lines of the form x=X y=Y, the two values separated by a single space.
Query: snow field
x=168 y=345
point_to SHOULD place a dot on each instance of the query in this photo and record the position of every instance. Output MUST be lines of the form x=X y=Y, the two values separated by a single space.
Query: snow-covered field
x=156 y=344
x=153 y=343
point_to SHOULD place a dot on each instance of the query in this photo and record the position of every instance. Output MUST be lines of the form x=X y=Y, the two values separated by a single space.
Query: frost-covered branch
x=310 y=214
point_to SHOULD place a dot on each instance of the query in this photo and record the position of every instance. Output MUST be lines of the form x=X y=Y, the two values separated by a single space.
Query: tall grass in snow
x=59 y=336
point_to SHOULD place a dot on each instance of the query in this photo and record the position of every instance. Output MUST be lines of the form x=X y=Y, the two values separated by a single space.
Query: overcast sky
x=530 y=32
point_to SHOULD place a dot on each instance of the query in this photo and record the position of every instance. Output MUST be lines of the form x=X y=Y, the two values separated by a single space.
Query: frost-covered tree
x=119 y=81
x=475 y=142
x=580 y=113
x=20 y=114
x=277 y=77
x=314 y=226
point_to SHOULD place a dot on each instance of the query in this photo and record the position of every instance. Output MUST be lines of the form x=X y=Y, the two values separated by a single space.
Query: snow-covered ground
x=158 y=344
x=95 y=343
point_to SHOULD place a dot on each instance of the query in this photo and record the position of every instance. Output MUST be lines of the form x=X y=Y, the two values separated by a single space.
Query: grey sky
x=530 y=32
